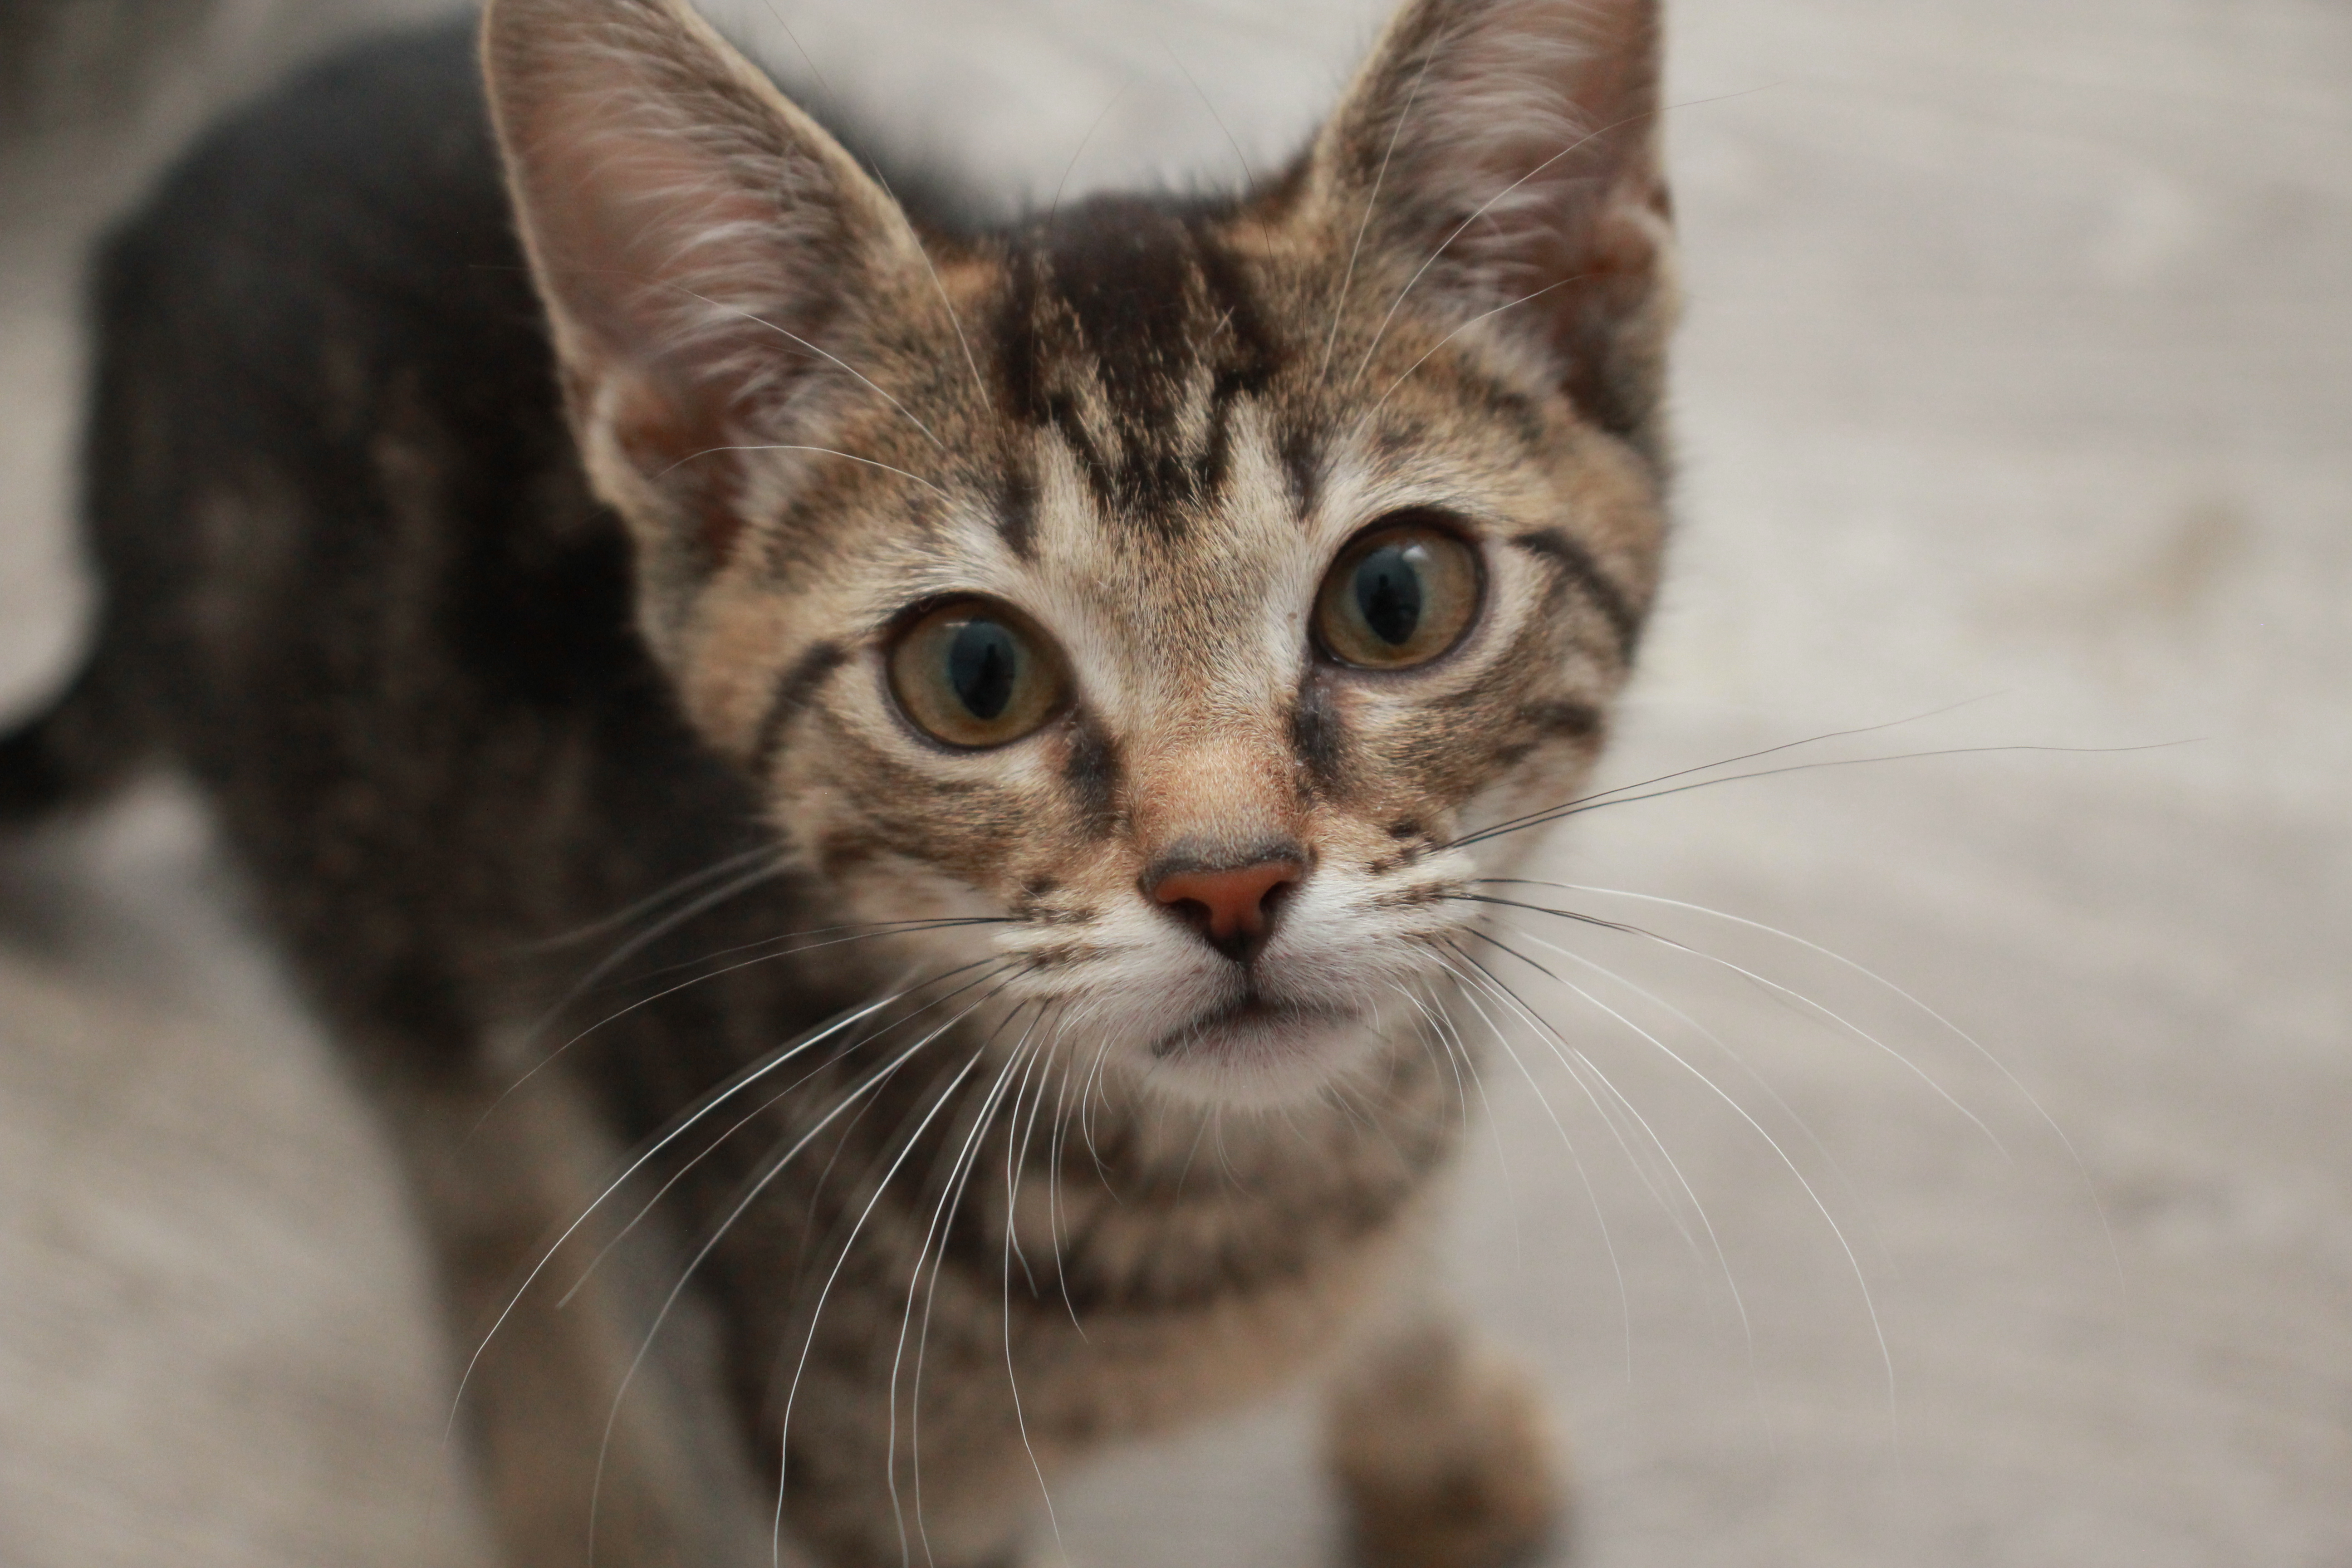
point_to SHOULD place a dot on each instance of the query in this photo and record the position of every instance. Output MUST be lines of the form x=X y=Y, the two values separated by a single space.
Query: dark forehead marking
x=1302 y=463
x=1114 y=311
x=793 y=694
x=1246 y=352
x=1017 y=507
x=1578 y=569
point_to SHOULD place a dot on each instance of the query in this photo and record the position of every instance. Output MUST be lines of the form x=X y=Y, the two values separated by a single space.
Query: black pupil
x=981 y=663
x=1388 y=593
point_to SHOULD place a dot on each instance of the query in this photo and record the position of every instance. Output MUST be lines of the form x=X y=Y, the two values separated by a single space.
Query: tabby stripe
x=793 y=694
x=1576 y=566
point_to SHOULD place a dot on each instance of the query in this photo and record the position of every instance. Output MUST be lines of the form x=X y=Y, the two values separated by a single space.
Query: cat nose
x=1233 y=907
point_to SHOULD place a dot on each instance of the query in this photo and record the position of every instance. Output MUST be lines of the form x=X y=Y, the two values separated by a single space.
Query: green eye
x=972 y=673
x=1399 y=596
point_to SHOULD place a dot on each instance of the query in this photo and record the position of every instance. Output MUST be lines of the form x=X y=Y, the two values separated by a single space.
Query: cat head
x=1173 y=581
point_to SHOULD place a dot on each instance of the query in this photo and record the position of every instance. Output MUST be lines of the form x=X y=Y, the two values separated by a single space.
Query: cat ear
x=1511 y=147
x=702 y=247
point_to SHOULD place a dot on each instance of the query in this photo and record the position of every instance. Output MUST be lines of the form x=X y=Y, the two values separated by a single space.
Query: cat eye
x=974 y=673
x=1401 y=593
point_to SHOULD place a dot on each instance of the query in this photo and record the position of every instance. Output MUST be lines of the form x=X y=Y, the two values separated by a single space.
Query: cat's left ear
x=708 y=254
x=1503 y=156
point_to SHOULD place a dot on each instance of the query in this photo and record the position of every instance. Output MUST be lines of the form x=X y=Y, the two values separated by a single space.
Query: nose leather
x=1231 y=907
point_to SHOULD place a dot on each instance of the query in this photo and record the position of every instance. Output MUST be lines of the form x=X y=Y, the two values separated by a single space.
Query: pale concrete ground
x=2019 y=367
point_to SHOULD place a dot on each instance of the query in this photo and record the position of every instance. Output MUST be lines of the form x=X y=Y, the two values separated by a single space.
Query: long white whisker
x=1371 y=204
x=1528 y=818
x=959 y=1170
x=1584 y=1179
x=1748 y=1069
x=1775 y=987
x=1861 y=1277
x=1595 y=804
x=2081 y=1170
x=1457 y=1056
x=1056 y=1145
x=651 y=901
x=1722 y=1258
x=1012 y=1379
x=894 y=928
x=1591 y=135
x=1508 y=304
x=1616 y=1114
x=711 y=1103
x=719 y=1234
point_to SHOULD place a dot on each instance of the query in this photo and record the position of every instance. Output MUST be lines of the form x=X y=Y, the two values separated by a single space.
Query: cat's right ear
x=1504 y=156
x=702 y=245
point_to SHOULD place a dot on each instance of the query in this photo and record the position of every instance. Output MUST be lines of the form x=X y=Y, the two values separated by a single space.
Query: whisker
x=617 y=957
x=856 y=930
x=891 y=928
x=825 y=1293
x=825 y=451
x=1572 y=1059
x=1016 y=1159
x=1509 y=823
x=1766 y=980
x=1457 y=1056
x=759 y=320
x=960 y=1172
x=1558 y=812
x=719 y=1234
x=1861 y=1277
x=1984 y=1052
x=1054 y=207
x=1057 y=1145
x=1483 y=208
x=1413 y=282
x=1012 y=1379
x=686 y=1168
x=684 y=1124
x=1371 y=204
x=1584 y=1179
x=1763 y=1084
x=1715 y=1242
x=1373 y=412
x=1249 y=176
x=651 y=901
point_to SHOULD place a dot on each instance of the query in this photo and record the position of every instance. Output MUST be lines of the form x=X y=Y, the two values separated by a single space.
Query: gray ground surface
x=2019 y=367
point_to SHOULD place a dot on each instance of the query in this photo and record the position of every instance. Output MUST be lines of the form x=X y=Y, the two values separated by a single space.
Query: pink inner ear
x=691 y=230
x=684 y=447
x=1535 y=115
x=663 y=257
x=1506 y=152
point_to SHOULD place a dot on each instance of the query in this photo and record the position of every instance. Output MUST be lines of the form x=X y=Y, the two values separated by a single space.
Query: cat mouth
x=1252 y=1026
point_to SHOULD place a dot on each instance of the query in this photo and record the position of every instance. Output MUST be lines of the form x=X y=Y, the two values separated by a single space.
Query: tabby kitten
x=1029 y=693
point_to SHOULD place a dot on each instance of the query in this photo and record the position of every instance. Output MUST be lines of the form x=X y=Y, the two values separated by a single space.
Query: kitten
x=1027 y=692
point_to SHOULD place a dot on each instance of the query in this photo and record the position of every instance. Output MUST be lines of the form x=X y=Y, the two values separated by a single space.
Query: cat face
x=1173 y=582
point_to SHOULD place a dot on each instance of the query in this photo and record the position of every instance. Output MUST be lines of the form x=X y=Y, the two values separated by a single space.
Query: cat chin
x=1259 y=1054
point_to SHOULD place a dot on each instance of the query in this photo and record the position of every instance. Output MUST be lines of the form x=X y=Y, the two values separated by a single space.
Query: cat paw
x=1444 y=1459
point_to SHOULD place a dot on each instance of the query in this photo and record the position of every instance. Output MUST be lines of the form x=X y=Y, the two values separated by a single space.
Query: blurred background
x=2010 y=1224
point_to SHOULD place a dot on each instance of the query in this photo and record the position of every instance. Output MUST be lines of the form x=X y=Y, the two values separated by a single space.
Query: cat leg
x=664 y=1467
x=1442 y=1453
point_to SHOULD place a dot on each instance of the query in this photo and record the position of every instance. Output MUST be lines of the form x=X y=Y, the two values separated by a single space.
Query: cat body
x=1005 y=705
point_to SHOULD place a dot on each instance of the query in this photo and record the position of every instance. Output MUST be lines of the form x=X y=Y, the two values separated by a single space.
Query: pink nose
x=1233 y=907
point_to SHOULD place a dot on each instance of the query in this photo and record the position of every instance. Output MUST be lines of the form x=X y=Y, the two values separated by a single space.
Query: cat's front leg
x=1442 y=1453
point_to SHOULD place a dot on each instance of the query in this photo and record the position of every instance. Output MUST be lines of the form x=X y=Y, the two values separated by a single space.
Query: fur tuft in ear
x=703 y=247
x=1504 y=153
